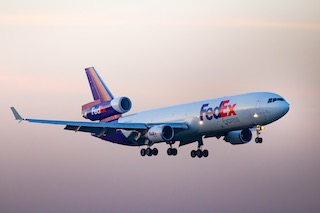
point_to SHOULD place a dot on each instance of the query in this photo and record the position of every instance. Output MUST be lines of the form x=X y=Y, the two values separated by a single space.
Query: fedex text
x=222 y=111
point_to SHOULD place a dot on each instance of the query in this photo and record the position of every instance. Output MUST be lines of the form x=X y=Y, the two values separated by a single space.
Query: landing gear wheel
x=169 y=151
x=174 y=151
x=199 y=153
x=193 y=153
x=143 y=152
x=149 y=151
x=155 y=151
x=258 y=140
x=205 y=153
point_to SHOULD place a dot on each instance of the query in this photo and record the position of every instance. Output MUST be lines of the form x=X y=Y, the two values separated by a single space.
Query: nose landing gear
x=258 y=130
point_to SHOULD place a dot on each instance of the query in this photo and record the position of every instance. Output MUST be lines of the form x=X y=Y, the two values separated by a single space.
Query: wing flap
x=84 y=129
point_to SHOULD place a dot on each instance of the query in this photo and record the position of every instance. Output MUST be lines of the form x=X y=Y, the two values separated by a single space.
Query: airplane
x=233 y=117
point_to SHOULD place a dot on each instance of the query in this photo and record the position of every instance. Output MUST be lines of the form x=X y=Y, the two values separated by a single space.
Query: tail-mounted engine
x=238 y=137
x=160 y=133
x=107 y=109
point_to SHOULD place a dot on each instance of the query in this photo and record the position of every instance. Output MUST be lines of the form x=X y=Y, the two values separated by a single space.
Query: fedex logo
x=224 y=110
x=98 y=110
x=153 y=133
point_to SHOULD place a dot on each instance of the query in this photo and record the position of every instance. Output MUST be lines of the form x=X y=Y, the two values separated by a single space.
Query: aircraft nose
x=277 y=109
x=285 y=108
x=282 y=108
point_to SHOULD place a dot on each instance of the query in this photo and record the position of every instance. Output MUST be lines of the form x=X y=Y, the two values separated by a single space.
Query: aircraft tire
x=149 y=152
x=155 y=151
x=143 y=152
x=193 y=153
x=199 y=153
x=174 y=151
x=205 y=153
x=169 y=151
x=258 y=140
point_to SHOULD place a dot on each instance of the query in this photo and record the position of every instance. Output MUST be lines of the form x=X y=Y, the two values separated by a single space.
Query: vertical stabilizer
x=98 y=88
x=100 y=91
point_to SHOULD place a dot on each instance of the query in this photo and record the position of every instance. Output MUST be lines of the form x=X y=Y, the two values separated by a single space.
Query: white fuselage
x=214 y=117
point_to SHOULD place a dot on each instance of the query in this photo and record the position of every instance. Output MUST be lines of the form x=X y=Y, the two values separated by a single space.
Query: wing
x=96 y=127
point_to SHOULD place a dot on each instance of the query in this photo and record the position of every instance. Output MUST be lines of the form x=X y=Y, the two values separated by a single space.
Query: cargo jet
x=233 y=118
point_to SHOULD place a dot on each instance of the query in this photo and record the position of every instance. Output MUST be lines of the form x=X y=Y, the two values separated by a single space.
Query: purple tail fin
x=98 y=87
x=100 y=91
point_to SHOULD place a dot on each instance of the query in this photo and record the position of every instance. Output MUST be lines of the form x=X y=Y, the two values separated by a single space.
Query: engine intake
x=160 y=133
x=238 y=137
x=121 y=105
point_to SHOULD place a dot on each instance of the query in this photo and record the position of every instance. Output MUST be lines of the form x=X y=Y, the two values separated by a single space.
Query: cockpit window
x=271 y=100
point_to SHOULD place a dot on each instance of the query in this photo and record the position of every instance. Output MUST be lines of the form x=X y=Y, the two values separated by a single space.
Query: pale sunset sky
x=157 y=53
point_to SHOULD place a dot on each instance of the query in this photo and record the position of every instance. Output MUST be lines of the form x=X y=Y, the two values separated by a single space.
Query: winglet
x=16 y=114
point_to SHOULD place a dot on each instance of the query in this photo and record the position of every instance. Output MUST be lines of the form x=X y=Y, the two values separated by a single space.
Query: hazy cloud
x=63 y=20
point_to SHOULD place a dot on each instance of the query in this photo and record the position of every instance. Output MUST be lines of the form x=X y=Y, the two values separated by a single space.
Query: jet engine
x=160 y=133
x=121 y=105
x=104 y=110
x=238 y=137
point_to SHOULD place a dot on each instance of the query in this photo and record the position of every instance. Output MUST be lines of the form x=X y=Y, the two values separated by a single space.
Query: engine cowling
x=104 y=110
x=121 y=105
x=238 y=137
x=160 y=133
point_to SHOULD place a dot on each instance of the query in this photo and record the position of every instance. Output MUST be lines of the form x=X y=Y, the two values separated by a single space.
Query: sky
x=157 y=53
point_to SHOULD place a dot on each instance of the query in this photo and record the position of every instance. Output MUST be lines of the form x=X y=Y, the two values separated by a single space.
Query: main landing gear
x=199 y=153
x=171 y=151
x=258 y=138
x=149 y=152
